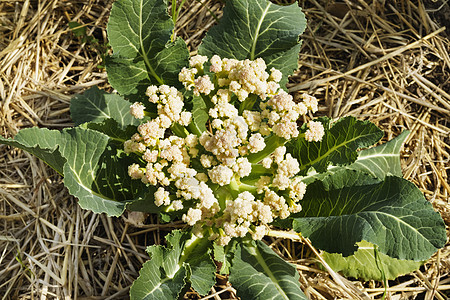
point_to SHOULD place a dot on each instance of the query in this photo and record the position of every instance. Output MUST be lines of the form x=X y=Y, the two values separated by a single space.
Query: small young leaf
x=259 y=273
x=252 y=29
x=78 y=30
x=338 y=145
x=199 y=115
x=162 y=277
x=95 y=106
x=140 y=33
x=364 y=264
x=350 y=206
x=201 y=266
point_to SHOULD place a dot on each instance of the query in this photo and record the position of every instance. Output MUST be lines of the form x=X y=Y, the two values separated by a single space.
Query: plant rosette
x=216 y=141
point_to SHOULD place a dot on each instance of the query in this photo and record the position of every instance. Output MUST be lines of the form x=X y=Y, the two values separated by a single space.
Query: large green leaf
x=96 y=171
x=162 y=277
x=350 y=206
x=139 y=32
x=259 y=273
x=96 y=105
x=339 y=145
x=252 y=29
x=43 y=143
x=367 y=264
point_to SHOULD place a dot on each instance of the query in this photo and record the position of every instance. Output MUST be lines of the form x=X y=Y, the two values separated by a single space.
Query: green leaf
x=42 y=143
x=220 y=255
x=78 y=30
x=379 y=161
x=338 y=145
x=111 y=128
x=96 y=105
x=199 y=115
x=96 y=171
x=162 y=277
x=252 y=29
x=382 y=160
x=140 y=32
x=259 y=273
x=145 y=202
x=202 y=268
x=350 y=206
x=364 y=264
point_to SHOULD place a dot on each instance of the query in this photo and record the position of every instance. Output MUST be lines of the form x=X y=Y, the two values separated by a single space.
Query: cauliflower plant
x=202 y=176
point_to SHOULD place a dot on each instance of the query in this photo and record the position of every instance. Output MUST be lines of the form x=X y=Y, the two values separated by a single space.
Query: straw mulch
x=385 y=61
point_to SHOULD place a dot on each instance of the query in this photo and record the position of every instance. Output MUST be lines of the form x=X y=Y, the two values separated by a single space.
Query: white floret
x=310 y=102
x=193 y=216
x=220 y=174
x=206 y=161
x=203 y=85
x=135 y=171
x=162 y=197
x=242 y=167
x=151 y=90
x=197 y=61
x=259 y=232
x=256 y=143
x=137 y=110
x=315 y=132
x=216 y=64
x=275 y=75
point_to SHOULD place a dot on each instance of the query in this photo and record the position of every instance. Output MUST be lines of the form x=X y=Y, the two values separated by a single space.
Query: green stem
x=248 y=103
x=179 y=130
x=189 y=248
x=272 y=143
x=144 y=55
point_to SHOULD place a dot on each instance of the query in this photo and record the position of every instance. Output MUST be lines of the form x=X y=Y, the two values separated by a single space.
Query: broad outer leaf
x=252 y=29
x=339 y=145
x=41 y=142
x=95 y=106
x=162 y=277
x=139 y=32
x=364 y=264
x=350 y=206
x=259 y=273
x=96 y=173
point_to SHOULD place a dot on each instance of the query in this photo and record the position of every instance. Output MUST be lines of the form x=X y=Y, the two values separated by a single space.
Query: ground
x=384 y=61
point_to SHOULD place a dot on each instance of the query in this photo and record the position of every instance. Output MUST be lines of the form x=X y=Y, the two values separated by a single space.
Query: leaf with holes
x=367 y=264
x=350 y=206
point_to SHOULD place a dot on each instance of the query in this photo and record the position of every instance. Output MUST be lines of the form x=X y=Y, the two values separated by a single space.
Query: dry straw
x=385 y=61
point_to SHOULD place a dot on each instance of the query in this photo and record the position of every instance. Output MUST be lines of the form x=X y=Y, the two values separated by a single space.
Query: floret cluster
x=204 y=176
